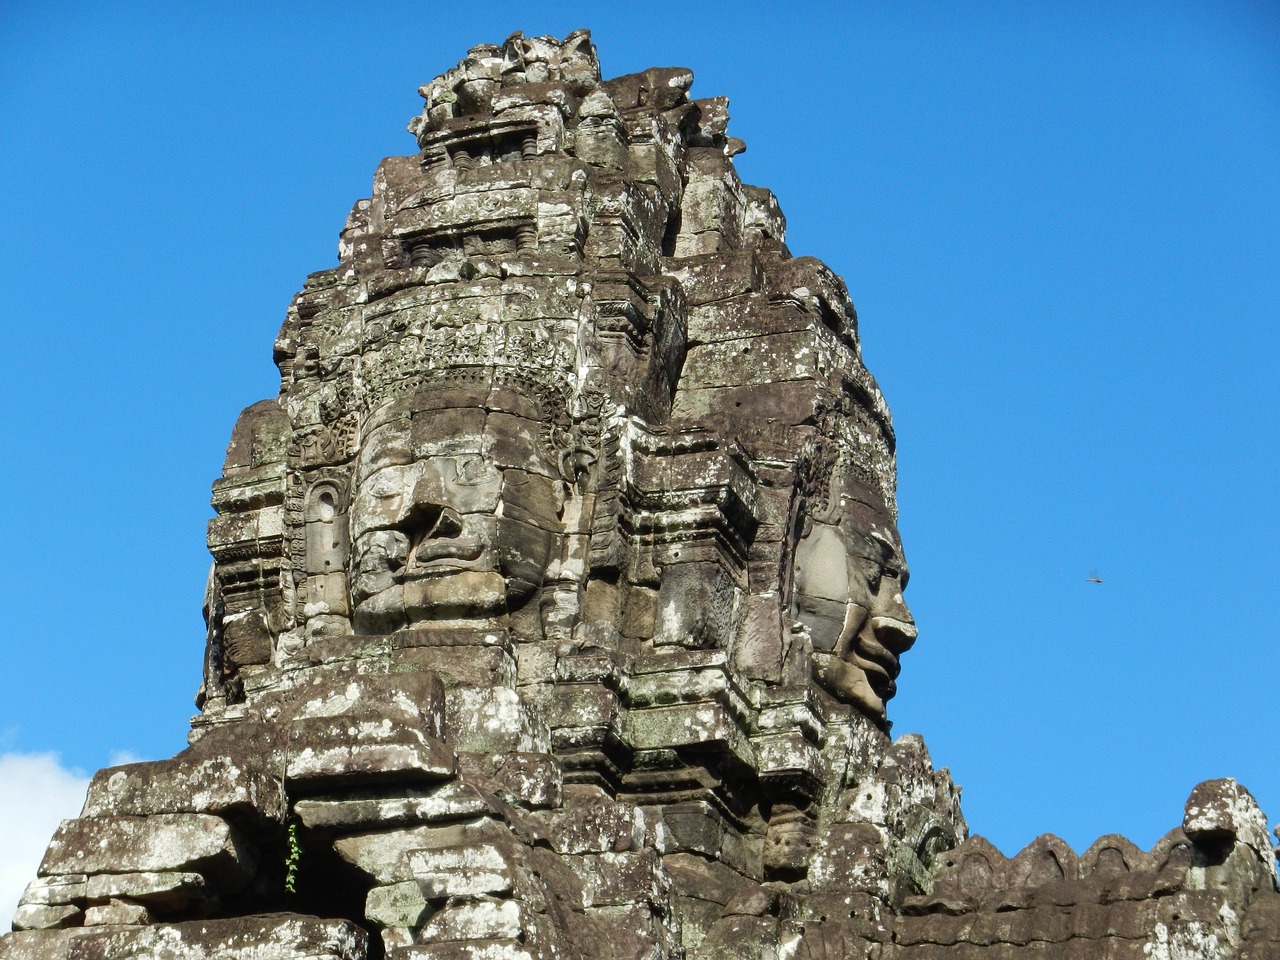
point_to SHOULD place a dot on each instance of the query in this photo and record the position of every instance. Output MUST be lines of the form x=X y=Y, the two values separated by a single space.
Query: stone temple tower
x=557 y=601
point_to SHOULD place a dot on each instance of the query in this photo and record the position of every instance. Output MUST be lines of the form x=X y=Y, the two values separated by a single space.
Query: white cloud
x=36 y=794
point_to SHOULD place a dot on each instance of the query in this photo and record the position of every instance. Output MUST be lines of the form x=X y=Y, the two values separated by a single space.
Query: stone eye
x=873 y=572
x=383 y=487
x=899 y=575
x=473 y=470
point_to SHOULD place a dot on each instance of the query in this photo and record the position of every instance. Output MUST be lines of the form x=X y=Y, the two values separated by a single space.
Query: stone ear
x=577 y=46
x=514 y=52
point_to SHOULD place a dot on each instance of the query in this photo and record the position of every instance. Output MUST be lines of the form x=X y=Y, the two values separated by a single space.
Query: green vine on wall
x=291 y=858
x=293 y=849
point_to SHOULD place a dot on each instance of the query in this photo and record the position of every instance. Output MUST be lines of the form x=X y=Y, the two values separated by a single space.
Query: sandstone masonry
x=558 y=597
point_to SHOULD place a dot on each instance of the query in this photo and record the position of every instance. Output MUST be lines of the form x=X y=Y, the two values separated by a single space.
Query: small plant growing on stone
x=292 y=855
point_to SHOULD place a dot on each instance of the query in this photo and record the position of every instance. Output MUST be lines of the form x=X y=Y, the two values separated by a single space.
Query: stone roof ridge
x=565 y=73
x=1113 y=900
x=526 y=72
x=469 y=87
x=1222 y=834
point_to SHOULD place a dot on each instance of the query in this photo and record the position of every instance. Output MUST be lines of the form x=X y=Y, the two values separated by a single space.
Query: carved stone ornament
x=557 y=601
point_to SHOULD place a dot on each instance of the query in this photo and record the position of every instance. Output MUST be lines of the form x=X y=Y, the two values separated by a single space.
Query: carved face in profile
x=455 y=510
x=848 y=582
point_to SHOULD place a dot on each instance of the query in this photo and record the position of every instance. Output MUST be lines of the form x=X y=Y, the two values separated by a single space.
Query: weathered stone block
x=364 y=749
x=38 y=944
x=192 y=782
x=635 y=931
x=791 y=756
x=482 y=919
x=182 y=842
x=851 y=856
x=260 y=436
x=719 y=276
x=612 y=879
x=594 y=826
x=693 y=827
x=55 y=890
x=384 y=855
x=414 y=698
x=678 y=725
x=412 y=805
x=465 y=870
x=39 y=916
x=1044 y=860
x=395 y=938
x=170 y=889
x=269 y=937
x=533 y=781
x=494 y=720
x=703 y=878
x=121 y=912
x=1131 y=920
x=792 y=403
x=742 y=938
x=678 y=686
x=1263 y=920
x=474 y=950
x=587 y=707
x=1222 y=811
x=774 y=358
x=233 y=528
x=396 y=905
x=697 y=916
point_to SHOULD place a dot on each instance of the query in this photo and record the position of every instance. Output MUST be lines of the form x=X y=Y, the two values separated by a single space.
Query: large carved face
x=849 y=577
x=455 y=510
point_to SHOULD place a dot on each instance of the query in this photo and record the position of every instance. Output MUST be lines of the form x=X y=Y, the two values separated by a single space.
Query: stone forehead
x=840 y=485
x=498 y=424
x=448 y=398
x=865 y=508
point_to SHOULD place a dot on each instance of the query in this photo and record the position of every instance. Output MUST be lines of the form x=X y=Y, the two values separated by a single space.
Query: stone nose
x=433 y=521
x=447 y=524
x=892 y=622
x=895 y=635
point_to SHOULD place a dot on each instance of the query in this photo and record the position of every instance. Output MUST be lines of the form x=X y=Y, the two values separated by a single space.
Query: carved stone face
x=455 y=511
x=788 y=844
x=849 y=577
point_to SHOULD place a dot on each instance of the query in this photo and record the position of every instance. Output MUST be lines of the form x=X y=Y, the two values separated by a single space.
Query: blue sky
x=1060 y=223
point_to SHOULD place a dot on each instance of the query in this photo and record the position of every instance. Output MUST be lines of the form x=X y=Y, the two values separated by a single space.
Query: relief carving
x=455 y=512
x=849 y=574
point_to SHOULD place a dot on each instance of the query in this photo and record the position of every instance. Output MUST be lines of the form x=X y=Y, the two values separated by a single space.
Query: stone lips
x=557 y=600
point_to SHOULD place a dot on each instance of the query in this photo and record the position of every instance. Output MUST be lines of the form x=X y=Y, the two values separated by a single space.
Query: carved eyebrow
x=473 y=468
x=382 y=484
x=888 y=549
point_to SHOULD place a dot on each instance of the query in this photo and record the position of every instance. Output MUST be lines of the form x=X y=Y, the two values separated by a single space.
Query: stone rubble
x=557 y=600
